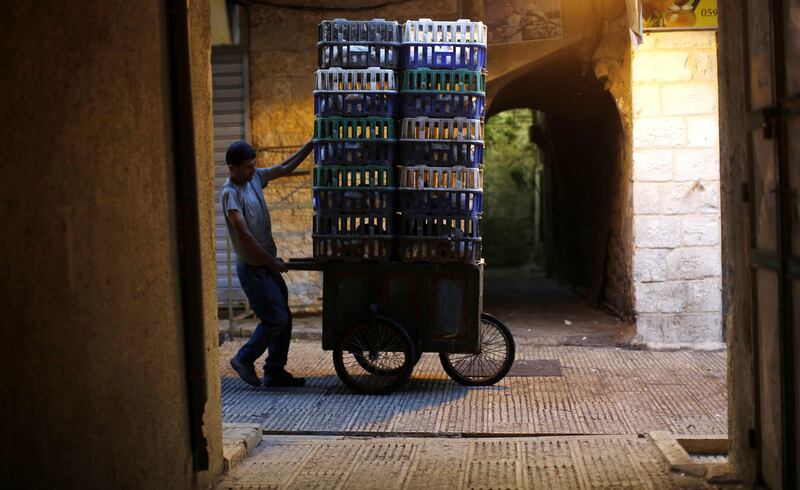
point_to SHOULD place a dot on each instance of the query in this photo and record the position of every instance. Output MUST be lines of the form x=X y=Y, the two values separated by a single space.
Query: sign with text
x=679 y=14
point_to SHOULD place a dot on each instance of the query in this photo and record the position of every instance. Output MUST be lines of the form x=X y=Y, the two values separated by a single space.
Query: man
x=259 y=268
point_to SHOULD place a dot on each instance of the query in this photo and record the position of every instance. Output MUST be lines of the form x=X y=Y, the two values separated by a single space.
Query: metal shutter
x=231 y=123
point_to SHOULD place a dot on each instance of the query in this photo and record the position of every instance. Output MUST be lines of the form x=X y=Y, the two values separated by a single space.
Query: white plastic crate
x=462 y=31
x=442 y=129
x=365 y=80
x=445 y=178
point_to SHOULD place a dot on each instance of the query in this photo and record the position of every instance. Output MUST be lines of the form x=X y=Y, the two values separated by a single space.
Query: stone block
x=709 y=198
x=693 y=263
x=652 y=165
x=680 y=197
x=646 y=100
x=650 y=328
x=659 y=297
x=700 y=230
x=703 y=132
x=703 y=296
x=656 y=231
x=661 y=132
x=692 y=328
x=650 y=265
x=703 y=65
x=688 y=99
x=661 y=66
x=685 y=40
x=646 y=198
x=695 y=164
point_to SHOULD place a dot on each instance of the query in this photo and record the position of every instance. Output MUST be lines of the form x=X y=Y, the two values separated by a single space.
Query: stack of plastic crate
x=441 y=144
x=354 y=139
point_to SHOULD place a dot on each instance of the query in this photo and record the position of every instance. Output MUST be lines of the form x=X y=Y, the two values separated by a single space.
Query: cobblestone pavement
x=603 y=391
x=425 y=463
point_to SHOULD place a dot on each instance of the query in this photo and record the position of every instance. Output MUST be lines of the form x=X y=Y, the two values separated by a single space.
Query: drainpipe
x=188 y=222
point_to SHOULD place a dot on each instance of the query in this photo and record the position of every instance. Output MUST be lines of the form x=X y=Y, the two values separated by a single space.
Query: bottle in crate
x=441 y=142
x=440 y=191
x=354 y=141
x=371 y=92
x=444 y=93
x=353 y=212
x=447 y=45
x=359 y=44
x=425 y=238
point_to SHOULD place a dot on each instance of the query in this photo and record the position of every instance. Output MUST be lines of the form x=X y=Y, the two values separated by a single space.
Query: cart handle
x=303 y=264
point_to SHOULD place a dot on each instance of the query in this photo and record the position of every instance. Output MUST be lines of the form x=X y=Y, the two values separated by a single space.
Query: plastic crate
x=452 y=178
x=343 y=152
x=439 y=239
x=441 y=154
x=359 y=44
x=355 y=93
x=346 y=55
x=372 y=31
x=440 y=202
x=355 y=104
x=444 y=55
x=353 y=177
x=442 y=129
x=352 y=249
x=431 y=31
x=354 y=128
x=425 y=80
x=341 y=236
x=471 y=106
x=354 y=201
x=366 y=80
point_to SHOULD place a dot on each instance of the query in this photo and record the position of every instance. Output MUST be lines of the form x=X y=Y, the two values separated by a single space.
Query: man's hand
x=287 y=166
x=277 y=265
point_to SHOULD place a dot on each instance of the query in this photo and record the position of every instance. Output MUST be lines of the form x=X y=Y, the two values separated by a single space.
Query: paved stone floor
x=424 y=463
x=602 y=391
x=585 y=429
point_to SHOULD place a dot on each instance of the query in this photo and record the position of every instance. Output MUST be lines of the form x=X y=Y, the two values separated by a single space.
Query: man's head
x=241 y=160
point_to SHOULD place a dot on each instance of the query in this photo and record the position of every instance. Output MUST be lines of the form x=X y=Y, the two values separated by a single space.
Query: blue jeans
x=269 y=299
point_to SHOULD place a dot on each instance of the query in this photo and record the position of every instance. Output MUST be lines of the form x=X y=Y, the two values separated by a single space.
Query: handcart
x=379 y=317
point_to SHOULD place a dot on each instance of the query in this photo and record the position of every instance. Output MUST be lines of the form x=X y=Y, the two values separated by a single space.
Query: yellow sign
x=679 y=14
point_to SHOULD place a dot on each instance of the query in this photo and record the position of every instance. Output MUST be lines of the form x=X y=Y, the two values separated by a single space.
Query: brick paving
x=604 y=391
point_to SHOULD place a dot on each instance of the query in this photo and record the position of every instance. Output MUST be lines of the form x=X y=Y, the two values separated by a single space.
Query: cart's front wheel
x=491 y=364
x=375 y=358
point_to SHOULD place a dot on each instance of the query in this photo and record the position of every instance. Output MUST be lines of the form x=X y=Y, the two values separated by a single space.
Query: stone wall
x=94 y=394
x=283 y=59
x=676 y=192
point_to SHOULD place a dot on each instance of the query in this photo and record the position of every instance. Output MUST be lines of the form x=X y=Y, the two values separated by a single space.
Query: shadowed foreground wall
x=94 y=394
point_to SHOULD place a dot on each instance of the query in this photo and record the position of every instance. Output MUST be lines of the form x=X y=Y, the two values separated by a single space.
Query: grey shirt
x=249 y=200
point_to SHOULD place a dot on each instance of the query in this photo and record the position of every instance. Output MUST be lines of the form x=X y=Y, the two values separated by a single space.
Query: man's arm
x=252 y=251
x=288 y=165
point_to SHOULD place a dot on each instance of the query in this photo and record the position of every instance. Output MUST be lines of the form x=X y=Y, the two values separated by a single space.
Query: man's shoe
x=247 y=373
x=281 y=378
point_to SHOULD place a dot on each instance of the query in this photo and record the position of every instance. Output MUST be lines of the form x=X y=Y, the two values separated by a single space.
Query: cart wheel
x=368 y=362
x=374 y=358
x=491 y=364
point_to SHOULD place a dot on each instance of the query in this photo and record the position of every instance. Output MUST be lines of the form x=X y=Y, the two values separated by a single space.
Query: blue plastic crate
x=444 y=55
x=443 y=104
x=426 y=238
x=355 y=104
x=440 y=202
x=354 y=201
x=441 y=153
x=358 y=56
x=343 y=152
x=352 y=237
